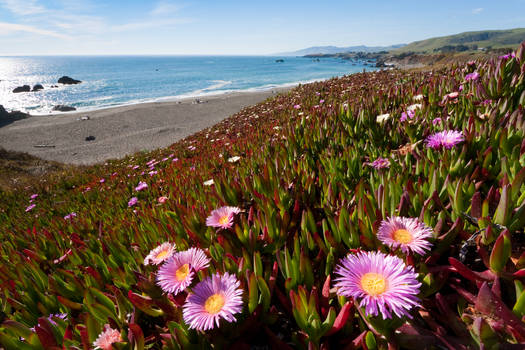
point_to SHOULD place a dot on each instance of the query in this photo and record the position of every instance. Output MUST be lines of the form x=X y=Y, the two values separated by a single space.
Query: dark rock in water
x=24 y=88
x=90 y=138
x=54 y=86
x=64 y=108
x=68 y=81
x=3 y=112
x=38 y=87
x=279 y=60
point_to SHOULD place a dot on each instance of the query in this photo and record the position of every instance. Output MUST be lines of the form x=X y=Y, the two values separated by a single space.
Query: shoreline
x=182 y=97
x=122 y=130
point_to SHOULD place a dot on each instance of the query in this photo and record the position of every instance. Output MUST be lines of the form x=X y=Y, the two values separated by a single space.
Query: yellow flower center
x=402 y=236
x=162 y=254
x=214 y=303
x=373 y=283
x=182 y=272
x=224 y=220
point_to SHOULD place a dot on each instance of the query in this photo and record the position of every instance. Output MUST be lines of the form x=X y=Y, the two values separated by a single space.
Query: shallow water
x=119 y=80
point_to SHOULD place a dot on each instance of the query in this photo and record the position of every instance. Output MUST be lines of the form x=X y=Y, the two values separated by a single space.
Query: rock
x=38 y=87
x=64 y=108
x=9 y=117
x=68 y=81
x=280 y=60
x=90 y=138
x=24 y=88
x=54 y=86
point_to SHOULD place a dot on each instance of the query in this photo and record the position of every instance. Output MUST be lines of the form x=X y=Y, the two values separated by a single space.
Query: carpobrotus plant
x=321 y=251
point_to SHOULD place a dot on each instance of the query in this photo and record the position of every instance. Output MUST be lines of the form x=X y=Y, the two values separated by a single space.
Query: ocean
x=109 y=81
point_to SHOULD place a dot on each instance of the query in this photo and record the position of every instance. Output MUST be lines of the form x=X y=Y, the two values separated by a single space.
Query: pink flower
x=141 y=186
x=70 y=216
x=446 y=139
x=217 y=297
x=34 y=196
x=160 y=254
x=436 y=121
x=178 y=272
x=383 y=282
x=133 y=201
x=222 y=217
x=472 y=76
x=106 y=338
x=409 y=234
x=410 y=114
x=162 y=199
x=102 y=181
x=297 y=106
x=30 y=207
x=380 y=163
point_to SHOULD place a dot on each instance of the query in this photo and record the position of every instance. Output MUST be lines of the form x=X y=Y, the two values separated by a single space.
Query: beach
x=124 y=130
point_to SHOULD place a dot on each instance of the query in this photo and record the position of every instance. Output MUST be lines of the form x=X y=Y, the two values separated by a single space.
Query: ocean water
x=119 y=80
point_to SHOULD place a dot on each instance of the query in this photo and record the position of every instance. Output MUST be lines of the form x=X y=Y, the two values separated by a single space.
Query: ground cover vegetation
x=377 y=210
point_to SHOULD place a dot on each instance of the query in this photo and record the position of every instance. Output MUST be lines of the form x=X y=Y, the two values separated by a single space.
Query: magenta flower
x=133 y=201
x=409 y=234
x=162 y=199
x=383 y=283
x=297 y=106
x=222 y=217
x=177 y=273
x=141 y=186
x=409 y=114
x=380 y=163
x=106 y=338
x=160 y=254
x=446 y=139
x=30 y=207
x=34 y=196
x=102 y=181
x=70 y=216
x=472 y=76
x=436 y=121
x=212 y=299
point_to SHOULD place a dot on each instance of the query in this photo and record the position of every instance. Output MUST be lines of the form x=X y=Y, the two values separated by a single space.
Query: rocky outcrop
x=9 y=117
x=37 y=87
x=64 y=108
x=23 y=88
x=68 y=81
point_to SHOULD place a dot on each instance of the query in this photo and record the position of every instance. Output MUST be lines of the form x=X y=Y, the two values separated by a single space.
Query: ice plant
x=141 y=186
x=409 y=234
x=472 y=76
x=408 y=114
x=30 y=207
x=218 y=296
x=106 y=338
x=160 y=254
x=162 y=199
x=34 y=196
x=222 y=217
x=70 y=216
x=446 y=139
x=177 y=273
x=383 y=282
x=380 y=163
x=382 y=118
x=234 y=159
x=133 y=201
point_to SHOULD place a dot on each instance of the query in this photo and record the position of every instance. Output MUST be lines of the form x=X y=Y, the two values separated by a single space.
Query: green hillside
x=468 y=41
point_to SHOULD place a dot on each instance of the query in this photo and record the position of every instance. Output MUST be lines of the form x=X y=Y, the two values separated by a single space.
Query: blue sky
x=45 y=27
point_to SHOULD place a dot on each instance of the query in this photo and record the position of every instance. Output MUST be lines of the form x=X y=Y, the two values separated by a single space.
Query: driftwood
x=44 y=146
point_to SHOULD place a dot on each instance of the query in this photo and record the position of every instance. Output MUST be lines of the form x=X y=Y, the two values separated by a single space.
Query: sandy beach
x=122 y=130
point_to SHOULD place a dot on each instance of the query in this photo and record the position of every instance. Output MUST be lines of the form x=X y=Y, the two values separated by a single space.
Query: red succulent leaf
x=489 y=304
x=341 y=318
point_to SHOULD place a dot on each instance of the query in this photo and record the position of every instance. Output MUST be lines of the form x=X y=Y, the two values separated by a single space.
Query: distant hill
x=335 y=49
x=468 y=41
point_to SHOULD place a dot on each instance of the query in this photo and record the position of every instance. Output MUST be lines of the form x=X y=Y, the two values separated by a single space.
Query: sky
x=235 y=27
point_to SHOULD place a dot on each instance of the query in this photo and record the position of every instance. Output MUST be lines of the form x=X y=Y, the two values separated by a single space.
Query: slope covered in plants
x=375 y=210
